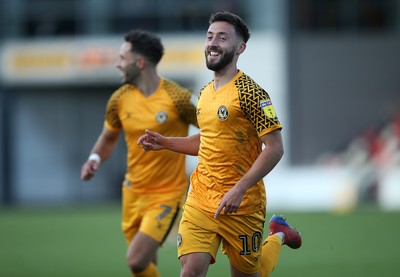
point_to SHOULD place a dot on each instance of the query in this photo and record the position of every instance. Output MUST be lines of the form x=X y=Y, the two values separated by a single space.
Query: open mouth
x=214 y=53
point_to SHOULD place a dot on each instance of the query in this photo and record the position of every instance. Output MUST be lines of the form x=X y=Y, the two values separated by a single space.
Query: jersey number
x=166 y=211
x=255 y=243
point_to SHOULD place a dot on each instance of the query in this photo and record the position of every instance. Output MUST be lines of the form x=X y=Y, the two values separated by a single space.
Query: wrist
x=95 y=157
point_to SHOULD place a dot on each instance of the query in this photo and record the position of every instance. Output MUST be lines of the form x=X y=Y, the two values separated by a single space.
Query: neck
x=148 y=83
x=224 y=76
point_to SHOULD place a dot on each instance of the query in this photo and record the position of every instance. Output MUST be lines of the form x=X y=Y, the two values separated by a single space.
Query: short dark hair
x=233 y=19
x=146 y=44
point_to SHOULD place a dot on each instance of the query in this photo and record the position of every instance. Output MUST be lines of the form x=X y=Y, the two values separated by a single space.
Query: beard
x=225 y=59
x=130 y=75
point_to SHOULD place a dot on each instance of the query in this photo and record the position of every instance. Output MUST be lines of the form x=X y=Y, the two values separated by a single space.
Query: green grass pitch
x=87 y=241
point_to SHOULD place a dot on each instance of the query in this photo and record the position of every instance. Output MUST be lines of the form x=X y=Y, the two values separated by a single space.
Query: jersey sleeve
x=257 y=106
x=112 y=120
x=182 y=98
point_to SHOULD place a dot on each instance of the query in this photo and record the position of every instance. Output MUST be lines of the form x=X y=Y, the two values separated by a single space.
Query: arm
x=103 y=147
x=266 y=161
x=184 y=145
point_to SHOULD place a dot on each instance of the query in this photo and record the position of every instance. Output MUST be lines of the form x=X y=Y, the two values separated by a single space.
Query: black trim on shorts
x=172 y=224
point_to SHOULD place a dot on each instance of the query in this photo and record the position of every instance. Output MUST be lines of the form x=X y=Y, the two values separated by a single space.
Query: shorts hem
x=213 y=259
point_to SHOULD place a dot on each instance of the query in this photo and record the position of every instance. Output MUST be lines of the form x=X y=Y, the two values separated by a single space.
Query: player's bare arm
x=103 y=147
x=266 y=161
x=184 y=145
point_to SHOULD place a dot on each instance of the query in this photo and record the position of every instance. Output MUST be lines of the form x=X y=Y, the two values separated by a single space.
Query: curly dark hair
x=147 y=44
x=233 y=19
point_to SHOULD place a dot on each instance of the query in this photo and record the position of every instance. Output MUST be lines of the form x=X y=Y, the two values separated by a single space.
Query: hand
x=231 y=202
x=89 y=169
x=152 y=141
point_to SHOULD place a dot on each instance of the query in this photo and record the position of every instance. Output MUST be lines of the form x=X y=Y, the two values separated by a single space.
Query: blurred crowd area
x=371 y=155
x=378 y=146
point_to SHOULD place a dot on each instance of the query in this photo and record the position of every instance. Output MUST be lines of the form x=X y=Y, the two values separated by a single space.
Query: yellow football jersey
x=231 y=121
x=169 y=112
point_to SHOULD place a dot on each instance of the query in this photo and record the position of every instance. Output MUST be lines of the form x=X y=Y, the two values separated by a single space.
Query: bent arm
x=184 y=145
x=266 y=161
x=105 y=143
x=103 y=147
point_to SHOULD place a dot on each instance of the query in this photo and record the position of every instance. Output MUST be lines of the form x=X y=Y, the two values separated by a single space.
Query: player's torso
x=229 y=143
x=160 y=171
x=156 y=112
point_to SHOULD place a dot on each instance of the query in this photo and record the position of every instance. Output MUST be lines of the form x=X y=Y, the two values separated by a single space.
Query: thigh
x=142 y=249
x=198 y=233
x=195 y=264
x=242 y=239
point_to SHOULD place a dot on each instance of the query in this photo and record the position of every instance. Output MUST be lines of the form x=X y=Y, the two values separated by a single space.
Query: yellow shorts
x=241 y=236
x=153 y=215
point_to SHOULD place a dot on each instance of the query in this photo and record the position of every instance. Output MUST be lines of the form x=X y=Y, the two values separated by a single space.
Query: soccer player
x=155 y=185
x=227 y=202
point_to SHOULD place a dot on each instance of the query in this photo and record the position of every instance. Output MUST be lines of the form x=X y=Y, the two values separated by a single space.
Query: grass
x=87 y=241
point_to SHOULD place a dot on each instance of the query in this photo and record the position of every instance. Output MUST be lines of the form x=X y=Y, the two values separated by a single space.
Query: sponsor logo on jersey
x=268 y=109
x=222 y=113
x=161 y=117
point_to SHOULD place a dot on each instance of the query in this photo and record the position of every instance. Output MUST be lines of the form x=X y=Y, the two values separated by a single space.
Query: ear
x=140 y=62
x=241 y=48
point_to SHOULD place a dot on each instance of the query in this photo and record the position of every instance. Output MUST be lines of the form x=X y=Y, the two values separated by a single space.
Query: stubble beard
x=226 y=58
x=130 y=75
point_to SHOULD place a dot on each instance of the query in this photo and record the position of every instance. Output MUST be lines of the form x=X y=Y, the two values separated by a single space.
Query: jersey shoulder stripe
x=112 y=117
x=181 y=97
x=250 y=96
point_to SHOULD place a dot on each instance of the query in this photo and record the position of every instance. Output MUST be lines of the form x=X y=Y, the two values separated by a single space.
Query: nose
x=213 y=41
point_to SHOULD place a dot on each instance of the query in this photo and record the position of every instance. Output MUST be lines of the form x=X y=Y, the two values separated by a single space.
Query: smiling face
x=222 y=46
x=127 y=64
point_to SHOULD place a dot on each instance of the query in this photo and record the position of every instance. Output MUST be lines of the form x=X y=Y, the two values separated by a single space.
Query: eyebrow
x=217 y=33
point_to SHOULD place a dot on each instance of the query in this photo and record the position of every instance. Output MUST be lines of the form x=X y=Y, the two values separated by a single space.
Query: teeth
x=214 y=53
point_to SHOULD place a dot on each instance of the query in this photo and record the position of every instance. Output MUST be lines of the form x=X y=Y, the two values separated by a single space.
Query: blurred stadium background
x=330 y=66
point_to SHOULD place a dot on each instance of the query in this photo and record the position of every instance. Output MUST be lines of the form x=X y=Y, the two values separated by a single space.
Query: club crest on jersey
x=222 y=113
x=268 y=109
x=161 y=117
x=179 y=240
